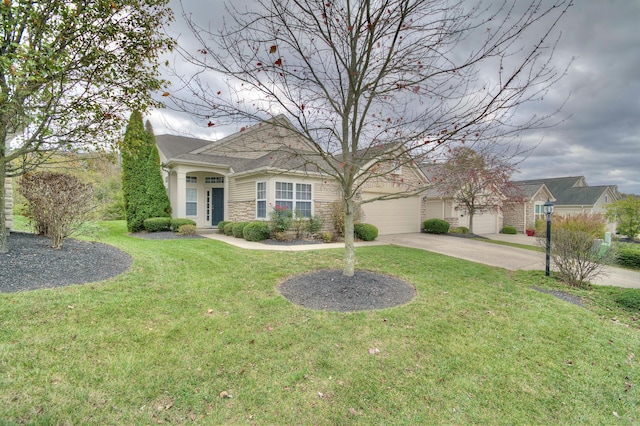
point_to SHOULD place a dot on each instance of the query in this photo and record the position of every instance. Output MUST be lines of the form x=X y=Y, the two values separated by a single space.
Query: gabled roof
x=571 y=190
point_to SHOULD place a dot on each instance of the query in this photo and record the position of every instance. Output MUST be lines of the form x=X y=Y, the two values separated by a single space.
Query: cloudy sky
x=600 y=136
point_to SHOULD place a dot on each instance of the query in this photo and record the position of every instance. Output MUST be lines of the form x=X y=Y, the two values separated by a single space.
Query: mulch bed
x=330 y=290
x=32 y=264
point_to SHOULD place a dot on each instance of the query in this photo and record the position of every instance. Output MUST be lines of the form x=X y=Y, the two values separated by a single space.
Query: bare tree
x=373 y=85
x=479 y=181
x=70 y=70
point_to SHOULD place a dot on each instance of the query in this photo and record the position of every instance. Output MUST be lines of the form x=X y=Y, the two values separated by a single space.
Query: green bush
x=315 y=224
x=630 y=299
x=221 y=226
x=237 y=229
x=436 y=226
x=628 y=257
x=187 y=229
x=511 y=230
x=157 y=224
x=460 y=230
x=365 y=231
x=256 y=231
x=178 y=222
x=228 y=228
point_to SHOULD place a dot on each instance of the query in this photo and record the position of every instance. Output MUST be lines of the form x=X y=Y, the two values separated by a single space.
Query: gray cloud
x=600 y=136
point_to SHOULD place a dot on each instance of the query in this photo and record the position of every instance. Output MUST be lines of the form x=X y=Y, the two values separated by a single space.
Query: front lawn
x=196 y=331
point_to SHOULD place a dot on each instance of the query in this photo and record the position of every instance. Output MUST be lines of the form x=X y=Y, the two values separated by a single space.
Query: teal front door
x=217 y=205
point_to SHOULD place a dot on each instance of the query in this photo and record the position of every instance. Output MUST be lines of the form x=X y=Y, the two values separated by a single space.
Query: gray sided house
x=571 y=195
x=242 y=177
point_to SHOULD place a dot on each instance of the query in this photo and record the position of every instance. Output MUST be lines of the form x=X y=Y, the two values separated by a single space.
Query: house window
x=284 y=195
x=261 y=200
x=298 y=201
x=538 y=209
x=192 y=179
x=214 y=179
x=192 y=201
x=303 y=200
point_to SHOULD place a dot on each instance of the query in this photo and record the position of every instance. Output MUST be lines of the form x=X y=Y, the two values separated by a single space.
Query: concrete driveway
x=501 y=256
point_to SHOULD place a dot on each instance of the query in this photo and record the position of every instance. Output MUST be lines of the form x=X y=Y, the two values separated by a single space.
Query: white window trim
x=187 y=202
x=261 y=199
x=294 y=199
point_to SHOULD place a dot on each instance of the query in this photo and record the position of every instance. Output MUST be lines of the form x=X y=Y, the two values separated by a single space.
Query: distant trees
x=626 y=212
x=144 y=193
x=478 y=181
x=69 y=71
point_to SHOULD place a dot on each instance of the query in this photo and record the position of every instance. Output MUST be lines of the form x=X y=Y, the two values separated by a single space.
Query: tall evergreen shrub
x=142 y=187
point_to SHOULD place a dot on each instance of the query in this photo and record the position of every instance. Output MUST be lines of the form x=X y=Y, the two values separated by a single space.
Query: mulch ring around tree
x=32 y=264
x=330 y=290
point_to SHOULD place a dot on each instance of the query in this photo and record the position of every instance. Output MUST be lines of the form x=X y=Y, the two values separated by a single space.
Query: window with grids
x=261 y=200
x=192 y=202
x=295 y=197
x=192 y=179
x=214 y=179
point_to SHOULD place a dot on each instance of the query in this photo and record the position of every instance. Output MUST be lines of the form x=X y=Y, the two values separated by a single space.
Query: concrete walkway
x=473 y=250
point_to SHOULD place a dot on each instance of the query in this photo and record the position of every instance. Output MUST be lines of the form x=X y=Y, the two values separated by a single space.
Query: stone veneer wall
x=242 y=211
x=8 y=203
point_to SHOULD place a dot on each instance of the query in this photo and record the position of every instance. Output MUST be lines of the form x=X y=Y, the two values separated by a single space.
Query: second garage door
x=401 y=216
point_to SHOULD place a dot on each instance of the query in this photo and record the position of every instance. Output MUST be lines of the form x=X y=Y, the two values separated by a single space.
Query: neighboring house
x=570 y=195
x=437 y=206
x=8 y=203
x=526 y=207
x=242 y=177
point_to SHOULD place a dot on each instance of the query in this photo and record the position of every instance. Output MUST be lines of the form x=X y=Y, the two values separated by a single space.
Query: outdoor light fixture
x=548 y=210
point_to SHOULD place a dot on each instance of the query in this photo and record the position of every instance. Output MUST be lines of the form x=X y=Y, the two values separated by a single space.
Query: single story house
x=445 y=207
x=526 y=206
x=571 y=195
x=242 y=177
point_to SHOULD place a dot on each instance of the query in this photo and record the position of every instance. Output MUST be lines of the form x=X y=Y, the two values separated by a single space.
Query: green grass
x=510 y=244
x=193 y=318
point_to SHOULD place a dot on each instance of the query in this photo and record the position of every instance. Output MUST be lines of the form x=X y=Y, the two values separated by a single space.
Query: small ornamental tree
x=58 y=204
x=626 y=212
x=477 y=181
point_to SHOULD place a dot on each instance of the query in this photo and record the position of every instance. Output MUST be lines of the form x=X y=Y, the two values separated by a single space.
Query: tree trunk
x=349 y=248
x=470 y=223
x=4 y=244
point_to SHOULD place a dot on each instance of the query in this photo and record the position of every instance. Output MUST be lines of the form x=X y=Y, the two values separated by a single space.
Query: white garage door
x=486 y=223
x=401 y=216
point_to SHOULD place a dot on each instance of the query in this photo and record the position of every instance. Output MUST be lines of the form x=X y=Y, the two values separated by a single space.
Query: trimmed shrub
x=365 y=231
x=157 y=224
x=256 y=231
x=630 y=299
x=237 y=229
x=221 y=226
x=628 y=257
x=228 y=228
x=510 y=230
x=315 y=224
x=436 y=226
x=327 y=236
x=187 y=229
x=281 y=219
x=178 y=222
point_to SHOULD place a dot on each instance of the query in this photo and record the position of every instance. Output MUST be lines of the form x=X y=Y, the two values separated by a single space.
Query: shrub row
x=159 y=224
x=258 y=231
